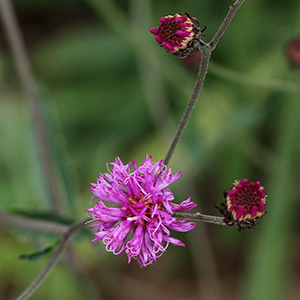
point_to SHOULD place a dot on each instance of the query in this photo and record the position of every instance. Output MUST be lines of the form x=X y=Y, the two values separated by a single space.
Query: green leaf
x=38 y=255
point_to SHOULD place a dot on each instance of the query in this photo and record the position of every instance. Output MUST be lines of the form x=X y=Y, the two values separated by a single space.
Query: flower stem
x=200 y=217
x=206 y=50
x=206 y=53
x=232 y=11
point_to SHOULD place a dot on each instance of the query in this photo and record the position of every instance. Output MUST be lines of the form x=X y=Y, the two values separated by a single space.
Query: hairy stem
x=232 y=11
x=200 y=217
x=197 y=89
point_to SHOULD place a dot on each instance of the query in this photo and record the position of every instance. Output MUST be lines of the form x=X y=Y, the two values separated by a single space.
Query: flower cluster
x=244 y=204
x=134 y=211
x=142 y=205
x=179 y=34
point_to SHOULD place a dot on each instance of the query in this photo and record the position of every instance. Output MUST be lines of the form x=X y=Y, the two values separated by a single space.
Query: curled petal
x=182 y=225
x=185 y=205
x=175 y=241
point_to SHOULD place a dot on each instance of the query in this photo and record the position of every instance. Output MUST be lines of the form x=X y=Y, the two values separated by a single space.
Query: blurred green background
x=107 y=89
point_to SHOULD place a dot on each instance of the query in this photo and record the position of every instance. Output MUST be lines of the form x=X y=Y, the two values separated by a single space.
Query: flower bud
x=293 y=52
x=179 y=34
x=244 y=204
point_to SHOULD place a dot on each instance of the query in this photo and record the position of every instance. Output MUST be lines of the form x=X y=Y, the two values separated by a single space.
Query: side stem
x=200 y=217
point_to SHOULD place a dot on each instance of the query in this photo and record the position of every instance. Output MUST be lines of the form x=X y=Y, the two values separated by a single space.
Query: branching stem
x=206 y=50
x=53 y=260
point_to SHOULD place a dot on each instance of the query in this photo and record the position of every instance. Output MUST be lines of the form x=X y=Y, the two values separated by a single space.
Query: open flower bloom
x=142 y=205
x=244 y=204
x=179 y=34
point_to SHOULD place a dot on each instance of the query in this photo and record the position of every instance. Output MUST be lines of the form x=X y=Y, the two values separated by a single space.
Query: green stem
x=268 y=276
x=39 y=127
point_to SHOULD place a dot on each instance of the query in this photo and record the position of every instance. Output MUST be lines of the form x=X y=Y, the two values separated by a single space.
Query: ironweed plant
x=134 y=212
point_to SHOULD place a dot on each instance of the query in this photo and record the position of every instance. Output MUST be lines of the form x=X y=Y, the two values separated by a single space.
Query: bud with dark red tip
x=179 y=34
x=244 y=204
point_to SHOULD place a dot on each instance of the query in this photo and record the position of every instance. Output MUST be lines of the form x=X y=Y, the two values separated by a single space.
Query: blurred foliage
x=87 y=58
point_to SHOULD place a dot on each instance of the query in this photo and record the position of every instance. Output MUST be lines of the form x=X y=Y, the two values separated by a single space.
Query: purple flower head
x=142 y=204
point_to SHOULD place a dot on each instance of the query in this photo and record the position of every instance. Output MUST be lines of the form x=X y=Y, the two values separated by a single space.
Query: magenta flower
x=179 y=34
x=142 y=204
x=244 y=204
